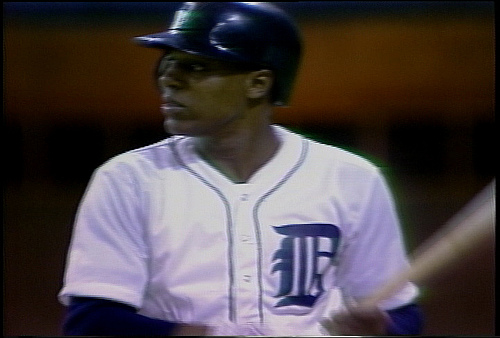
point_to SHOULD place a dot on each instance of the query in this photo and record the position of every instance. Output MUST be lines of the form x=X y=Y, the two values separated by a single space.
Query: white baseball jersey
x=161 y=230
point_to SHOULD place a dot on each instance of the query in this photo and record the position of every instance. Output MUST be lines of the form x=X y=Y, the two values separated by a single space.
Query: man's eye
x=196 y=67
x=187 y=66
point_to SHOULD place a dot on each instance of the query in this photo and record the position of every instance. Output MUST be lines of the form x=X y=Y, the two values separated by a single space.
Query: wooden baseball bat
x=472 y=226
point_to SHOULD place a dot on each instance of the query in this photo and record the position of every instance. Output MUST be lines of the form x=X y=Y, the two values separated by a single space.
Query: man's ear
x=260 y=83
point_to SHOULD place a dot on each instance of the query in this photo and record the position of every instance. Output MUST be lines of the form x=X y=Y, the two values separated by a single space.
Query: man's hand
x=358 y=321
x=190 y=330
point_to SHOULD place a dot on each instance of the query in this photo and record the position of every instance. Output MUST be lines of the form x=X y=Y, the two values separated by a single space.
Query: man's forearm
x=95 y=317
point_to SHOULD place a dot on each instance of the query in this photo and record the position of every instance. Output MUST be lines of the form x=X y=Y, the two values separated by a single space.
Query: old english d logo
x=305 y=252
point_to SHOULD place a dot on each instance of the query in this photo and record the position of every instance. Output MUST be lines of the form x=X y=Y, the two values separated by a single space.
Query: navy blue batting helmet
x=254 y=34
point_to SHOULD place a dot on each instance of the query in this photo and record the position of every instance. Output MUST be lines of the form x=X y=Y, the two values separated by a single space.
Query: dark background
x=409 y=85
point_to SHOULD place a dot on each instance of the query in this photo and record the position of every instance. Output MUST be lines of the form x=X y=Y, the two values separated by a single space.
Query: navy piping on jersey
x=229 y=230
x=305 y=147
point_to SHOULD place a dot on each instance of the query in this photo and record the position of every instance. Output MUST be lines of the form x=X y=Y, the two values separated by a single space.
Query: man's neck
x=240 y=151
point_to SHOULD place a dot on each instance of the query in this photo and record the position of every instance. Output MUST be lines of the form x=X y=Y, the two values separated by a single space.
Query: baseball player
x=233 y=226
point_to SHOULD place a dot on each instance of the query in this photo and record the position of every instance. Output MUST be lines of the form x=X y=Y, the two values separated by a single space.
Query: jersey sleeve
x=376 y=251
x=107 y=257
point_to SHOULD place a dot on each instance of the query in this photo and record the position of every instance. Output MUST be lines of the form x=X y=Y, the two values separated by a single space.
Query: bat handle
x=467 y=230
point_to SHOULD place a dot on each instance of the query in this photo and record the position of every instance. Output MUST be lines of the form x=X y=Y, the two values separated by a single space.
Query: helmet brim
x=164 y=40
x=189 y=43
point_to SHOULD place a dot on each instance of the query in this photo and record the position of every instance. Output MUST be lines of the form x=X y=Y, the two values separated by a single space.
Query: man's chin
x=182 y=127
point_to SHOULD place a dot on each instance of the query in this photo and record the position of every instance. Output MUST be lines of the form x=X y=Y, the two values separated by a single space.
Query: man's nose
x=168 y=82
x=171 y=78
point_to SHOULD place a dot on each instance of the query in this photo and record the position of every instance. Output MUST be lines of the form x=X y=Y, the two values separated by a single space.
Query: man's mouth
x=172 y=108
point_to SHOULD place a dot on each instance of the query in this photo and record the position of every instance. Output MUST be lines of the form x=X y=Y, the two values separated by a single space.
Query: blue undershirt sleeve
x=88 y=316
x=406 y=320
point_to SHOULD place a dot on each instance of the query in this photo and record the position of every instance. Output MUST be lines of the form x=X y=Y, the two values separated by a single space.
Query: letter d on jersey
x=305 y=253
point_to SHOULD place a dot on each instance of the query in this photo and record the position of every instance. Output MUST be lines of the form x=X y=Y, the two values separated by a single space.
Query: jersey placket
x=243 y=248
x=245 y=251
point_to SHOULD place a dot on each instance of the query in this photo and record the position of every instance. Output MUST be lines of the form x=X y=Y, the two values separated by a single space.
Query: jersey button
x=247 y=278
x=244 y=197
x=245 y=238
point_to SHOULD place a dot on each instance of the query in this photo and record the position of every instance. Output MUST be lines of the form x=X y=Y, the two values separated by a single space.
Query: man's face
x=200 y=95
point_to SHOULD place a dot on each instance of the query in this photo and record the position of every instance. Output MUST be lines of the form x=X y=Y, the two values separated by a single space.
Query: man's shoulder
x=329 y=155
x=148 y=159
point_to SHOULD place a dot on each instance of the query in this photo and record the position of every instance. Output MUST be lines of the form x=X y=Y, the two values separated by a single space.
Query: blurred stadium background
x=407 y=84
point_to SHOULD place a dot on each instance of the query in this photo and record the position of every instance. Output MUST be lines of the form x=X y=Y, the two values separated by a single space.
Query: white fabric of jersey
x=160 y=229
